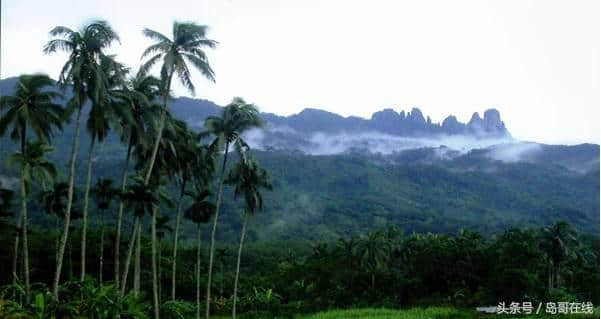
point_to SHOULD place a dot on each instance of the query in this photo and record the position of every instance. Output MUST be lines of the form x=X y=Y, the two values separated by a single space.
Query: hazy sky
x=535 y=61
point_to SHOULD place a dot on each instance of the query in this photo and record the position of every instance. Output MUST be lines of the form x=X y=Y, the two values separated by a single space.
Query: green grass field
x=424 y=313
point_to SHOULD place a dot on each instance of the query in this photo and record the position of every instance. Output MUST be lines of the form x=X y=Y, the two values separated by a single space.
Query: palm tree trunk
x=549 y=282
x=159 y=267
x=198 y=271
x=212 y=247
x=61 y=252
x=120 y=215
x=238 y=266
x=86 y=200
x=221 y=284
x=70 y=259
x=16 y=247
x=155 y=148
x=373 y=281
x=558 y=275
x=24 y=234
x=138 y=260
x=155 y=288
x=130 y=249
x=175 y=238
x=101 y=249
x=56 y=239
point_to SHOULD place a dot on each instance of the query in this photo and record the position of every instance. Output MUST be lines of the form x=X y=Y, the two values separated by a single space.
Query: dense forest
x=111 y=206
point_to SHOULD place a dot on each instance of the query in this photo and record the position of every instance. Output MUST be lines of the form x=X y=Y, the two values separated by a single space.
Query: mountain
x=387 y=121
x=335 y=176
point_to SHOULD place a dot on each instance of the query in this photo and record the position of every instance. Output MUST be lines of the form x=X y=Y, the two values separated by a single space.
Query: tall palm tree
x=32 y=107
x=372 y=254
x=557 y=243
x=248 y=179
x=194 y=163
x=185 y=47
x=349 y=249
x=54 y=203
x=163 y=167
x=138 y=95
x=33 y=165
x=105 y=110
x=236 y=118
x=82 y=71
x=104 y=193
x=141 y=200
x=199 y=212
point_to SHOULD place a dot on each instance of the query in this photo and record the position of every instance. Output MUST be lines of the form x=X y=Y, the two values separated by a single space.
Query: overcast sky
x=535 y=61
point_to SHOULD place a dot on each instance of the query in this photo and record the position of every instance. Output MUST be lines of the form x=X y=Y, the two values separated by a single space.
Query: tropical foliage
x=166 y=169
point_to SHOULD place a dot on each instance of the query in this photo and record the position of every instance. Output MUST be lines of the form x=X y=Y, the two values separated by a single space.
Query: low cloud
x=446 y=146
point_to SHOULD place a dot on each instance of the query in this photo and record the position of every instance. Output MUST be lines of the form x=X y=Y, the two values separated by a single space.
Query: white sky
x=535 y=61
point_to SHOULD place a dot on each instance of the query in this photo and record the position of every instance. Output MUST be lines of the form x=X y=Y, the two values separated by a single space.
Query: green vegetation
x=420 y=313
x=329 y=240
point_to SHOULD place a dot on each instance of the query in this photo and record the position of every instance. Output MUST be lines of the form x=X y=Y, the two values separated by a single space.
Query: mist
x=504 y=149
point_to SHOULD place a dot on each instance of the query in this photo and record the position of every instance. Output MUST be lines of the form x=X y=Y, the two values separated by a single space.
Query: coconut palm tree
x=248 y=180
x=185 y=47
x=372 y=254
x=137 y=95
x=163 y=167
x=104 y=193
x=349 y=249
x=557 y=243
x=104 y=111
x=54 y=203
x=82 y=71
x=194 y=163
x=226 y=129
x=140 y=199
x=33 y=165
x=199 y=212
x=31 y=108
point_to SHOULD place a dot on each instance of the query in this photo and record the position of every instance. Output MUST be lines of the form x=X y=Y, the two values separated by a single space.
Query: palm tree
x=104 y=192
x=193 y=163
x=138 y=95
x=236 y=118
x=349 y=249
x=141 y=200
x=163 y=167
x=221 y=256
x=199 y=212
x=185 y=47
x=557 y=243
x=372 y=254
x=53 y=203
x=162 y=228
x=34 y=165
x=188 y=40
x=104 y=109
x=81 y=71
x=248 y=179
x=31 y=107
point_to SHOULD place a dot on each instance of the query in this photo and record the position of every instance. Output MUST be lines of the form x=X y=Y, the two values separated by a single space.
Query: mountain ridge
x=312 y=120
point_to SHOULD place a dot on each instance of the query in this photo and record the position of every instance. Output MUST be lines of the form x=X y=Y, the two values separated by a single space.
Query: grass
x=425 y=313
x=374 y=313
